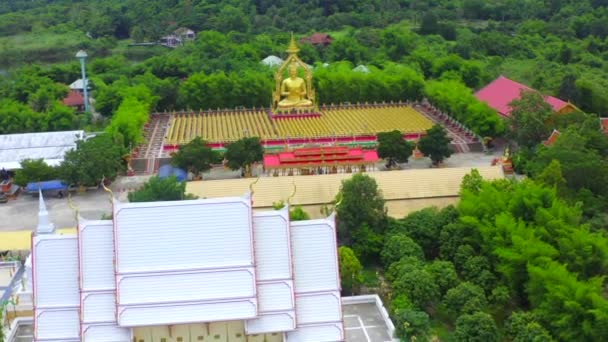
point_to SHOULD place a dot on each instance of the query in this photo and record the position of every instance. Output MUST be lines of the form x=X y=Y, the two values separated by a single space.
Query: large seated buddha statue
x=293 y=90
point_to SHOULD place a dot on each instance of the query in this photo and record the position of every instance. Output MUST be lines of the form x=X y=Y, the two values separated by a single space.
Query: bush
x=476 y=327
x=34 y=170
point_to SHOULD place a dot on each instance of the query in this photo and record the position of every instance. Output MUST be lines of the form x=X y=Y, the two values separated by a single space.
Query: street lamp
x=82 y=56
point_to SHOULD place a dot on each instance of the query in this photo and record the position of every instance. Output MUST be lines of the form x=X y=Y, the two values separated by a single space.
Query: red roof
x=318 y=38
x=552 y=138
x=502 y=91
x=604 y=122
x=73 y=99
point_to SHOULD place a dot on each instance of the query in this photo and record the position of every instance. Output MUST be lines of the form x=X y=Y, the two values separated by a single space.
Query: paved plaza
x=364 y=323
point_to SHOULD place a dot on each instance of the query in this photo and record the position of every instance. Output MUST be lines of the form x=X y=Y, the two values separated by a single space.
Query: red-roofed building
x=74 y=99
x=502 y=91
x=552 y=138
x=604 y=123
x=318 y=39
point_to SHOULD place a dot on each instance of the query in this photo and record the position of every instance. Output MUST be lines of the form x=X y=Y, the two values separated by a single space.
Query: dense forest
x=442 y=50
x=514 y=261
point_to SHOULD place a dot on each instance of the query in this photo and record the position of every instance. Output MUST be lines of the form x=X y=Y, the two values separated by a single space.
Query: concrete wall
x=396 y=208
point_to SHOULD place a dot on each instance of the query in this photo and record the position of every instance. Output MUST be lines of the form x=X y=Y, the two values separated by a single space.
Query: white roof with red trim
x=180 y=262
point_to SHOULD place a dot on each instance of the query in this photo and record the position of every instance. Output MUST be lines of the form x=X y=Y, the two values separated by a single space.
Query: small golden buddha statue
x=293 y=90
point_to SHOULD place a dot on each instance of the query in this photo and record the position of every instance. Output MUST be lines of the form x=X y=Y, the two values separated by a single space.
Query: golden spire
x=293 y=47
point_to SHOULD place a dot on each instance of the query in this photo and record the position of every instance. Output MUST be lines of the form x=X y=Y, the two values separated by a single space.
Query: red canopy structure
x=74 y=99
x=502 y=91
x=328 y=158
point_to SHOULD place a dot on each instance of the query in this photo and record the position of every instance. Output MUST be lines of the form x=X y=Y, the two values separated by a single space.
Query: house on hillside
x=604 y=124
x=321 y=39
x=178 y=37
x=78 y=85
x=502 y=91
x=552 y=138
x=75 y=100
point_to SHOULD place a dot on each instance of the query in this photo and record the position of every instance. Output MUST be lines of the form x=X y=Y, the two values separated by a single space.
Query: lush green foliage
x=298 y=214
x=128 y=121
x=34 y=171
x=507 y=246
x=435 y=144
x=242 y=153
x=350 y=270
x=361 y=216
x=157 y=189
x=454 y=97
x=476 y=327
x=527 y=123
x=194 y=156
x=393 y=147
x=93 y=160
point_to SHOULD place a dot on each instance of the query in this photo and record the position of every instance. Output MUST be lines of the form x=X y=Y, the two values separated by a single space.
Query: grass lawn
x=42 y=40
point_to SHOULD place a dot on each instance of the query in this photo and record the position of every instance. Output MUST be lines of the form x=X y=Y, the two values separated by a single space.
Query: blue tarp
x=45 y=186
x=168 y=171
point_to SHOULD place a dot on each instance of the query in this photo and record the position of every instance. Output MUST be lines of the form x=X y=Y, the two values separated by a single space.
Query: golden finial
x=293 y=47
x=103 y=184
x=73 y=207
x=339 y=199
x=252 y=184
x=293 y=193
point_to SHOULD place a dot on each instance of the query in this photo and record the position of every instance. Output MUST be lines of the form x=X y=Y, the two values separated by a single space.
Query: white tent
x=361 y=68
x=49 y=146
x=272 y=61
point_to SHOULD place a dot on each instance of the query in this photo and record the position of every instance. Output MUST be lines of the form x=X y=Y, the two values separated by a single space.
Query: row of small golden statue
x=293 y=93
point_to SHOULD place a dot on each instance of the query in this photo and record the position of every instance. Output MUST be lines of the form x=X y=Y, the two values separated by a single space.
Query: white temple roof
x=181 y=262
x=317 y=282
x=50 y=146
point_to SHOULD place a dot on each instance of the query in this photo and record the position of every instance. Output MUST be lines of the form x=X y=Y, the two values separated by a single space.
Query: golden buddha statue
x=293 y=90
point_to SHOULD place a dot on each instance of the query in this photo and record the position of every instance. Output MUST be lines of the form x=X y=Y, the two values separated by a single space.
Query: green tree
x=361 y=216
x=298 y=214
x=350 y=271
x=466 y=298
x=476 y=327
x=34 y=170
x=60 y=118
x=409 y=321
x=393 y=147
x=157 y=189
x=195 y=156
x=444 y=274
x=435 y=144
x=92 y=160
x=424 y=226
x=128 y=121
x=472 y=181
x=417 y=284
x=552 y=176
x=528 y=119
x=398 y=246
x=523 y=326
x=243 y=153
x=568 y=90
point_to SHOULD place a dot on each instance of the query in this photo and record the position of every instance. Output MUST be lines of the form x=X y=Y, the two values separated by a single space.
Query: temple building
x=197 y=270
x=499 y=94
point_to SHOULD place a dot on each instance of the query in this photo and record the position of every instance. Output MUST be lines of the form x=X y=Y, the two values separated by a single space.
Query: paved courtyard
x=363 y=323
x=22 y=214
